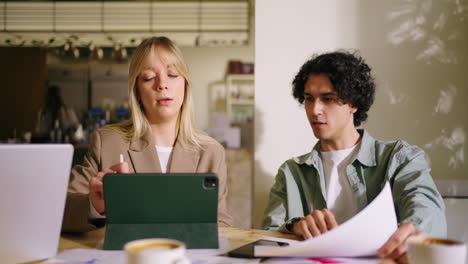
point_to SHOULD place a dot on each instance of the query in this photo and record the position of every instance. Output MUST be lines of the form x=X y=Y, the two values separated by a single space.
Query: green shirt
x=300 y=185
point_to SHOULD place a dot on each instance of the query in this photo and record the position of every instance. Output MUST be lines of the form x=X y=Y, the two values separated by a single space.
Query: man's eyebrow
x=323 y=94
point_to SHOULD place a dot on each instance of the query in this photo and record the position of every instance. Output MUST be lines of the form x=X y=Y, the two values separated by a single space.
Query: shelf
x=240 y=77
x=239 y=101
x=242 y=102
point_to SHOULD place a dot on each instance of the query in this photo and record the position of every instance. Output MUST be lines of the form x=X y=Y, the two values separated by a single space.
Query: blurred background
x=63 y=66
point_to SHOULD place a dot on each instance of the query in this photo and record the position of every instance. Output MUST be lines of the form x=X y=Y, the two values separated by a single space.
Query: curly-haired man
x=347 y=168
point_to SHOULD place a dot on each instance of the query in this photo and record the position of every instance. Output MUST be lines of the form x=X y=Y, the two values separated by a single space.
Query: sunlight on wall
x=427 y=22
x=446 y=99
x=420 y=58
x=454 y=143
x=395 y=97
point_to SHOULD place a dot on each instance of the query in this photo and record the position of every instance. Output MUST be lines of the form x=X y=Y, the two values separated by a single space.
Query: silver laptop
x=33 y=187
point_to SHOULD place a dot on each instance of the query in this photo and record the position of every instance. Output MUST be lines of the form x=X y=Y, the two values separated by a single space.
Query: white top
x=341 y=200
x=164 y=153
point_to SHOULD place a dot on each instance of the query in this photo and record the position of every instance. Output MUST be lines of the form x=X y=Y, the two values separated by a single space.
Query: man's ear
x=353 y=110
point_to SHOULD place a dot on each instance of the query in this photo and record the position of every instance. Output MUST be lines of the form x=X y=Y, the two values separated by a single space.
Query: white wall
x=457 y=217
x=286 y=36
x=417 y=50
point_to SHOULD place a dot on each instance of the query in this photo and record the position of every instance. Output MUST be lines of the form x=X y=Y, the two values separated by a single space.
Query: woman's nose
x=161 y=84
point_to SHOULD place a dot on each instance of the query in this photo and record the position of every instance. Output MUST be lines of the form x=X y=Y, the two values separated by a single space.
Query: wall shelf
x=239 y=97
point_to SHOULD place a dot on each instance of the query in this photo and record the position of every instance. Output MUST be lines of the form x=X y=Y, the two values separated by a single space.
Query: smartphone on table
x=248 y=251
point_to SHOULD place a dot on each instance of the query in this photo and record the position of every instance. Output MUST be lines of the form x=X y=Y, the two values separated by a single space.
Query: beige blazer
x=104 y=150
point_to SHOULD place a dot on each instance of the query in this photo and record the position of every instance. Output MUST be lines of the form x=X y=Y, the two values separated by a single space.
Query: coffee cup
x=156 y=251
x=431 y=250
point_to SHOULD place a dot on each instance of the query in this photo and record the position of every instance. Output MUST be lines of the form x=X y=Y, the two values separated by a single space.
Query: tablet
x=182 y=206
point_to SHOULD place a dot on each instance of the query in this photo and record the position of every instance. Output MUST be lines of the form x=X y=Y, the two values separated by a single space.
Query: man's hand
x=395 y=247
x=315 y=223
x=96 y=192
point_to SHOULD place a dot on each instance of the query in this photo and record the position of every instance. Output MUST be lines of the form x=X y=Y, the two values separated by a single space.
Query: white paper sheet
x=361 y=235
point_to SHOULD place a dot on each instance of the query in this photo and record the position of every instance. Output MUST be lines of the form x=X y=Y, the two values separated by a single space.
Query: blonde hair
x=138 y=124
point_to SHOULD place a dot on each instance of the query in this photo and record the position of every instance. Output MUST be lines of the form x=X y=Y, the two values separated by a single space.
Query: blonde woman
x=159 y=137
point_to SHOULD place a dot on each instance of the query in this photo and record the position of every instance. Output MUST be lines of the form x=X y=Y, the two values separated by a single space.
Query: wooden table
x=236 y=237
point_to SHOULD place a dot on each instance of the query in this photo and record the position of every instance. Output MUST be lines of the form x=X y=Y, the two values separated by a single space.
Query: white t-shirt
x=341 y=200
x=164 y=153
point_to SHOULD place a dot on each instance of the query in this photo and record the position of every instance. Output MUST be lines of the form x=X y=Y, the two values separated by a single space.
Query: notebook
x=33 y=180
x=179 y=206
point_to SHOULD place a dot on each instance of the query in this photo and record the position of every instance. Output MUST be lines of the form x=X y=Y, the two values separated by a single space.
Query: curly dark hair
x=350 y=75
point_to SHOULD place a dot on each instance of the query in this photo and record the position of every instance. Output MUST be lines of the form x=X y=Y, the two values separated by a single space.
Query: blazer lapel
x=183 y=160
x=143 y=155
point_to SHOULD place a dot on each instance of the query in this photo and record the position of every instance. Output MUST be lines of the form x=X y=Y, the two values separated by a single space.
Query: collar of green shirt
x=366 y=155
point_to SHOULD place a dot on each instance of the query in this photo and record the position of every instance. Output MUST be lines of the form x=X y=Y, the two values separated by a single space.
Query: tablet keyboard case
x=177 y=206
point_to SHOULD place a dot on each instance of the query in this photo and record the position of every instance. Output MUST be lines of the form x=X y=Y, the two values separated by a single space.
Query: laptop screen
x=34 y=180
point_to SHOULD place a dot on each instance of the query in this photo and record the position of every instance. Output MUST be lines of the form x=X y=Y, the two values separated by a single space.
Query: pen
x=121 y=158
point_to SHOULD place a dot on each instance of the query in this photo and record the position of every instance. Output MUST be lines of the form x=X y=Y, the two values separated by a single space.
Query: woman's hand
x=96 y=192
